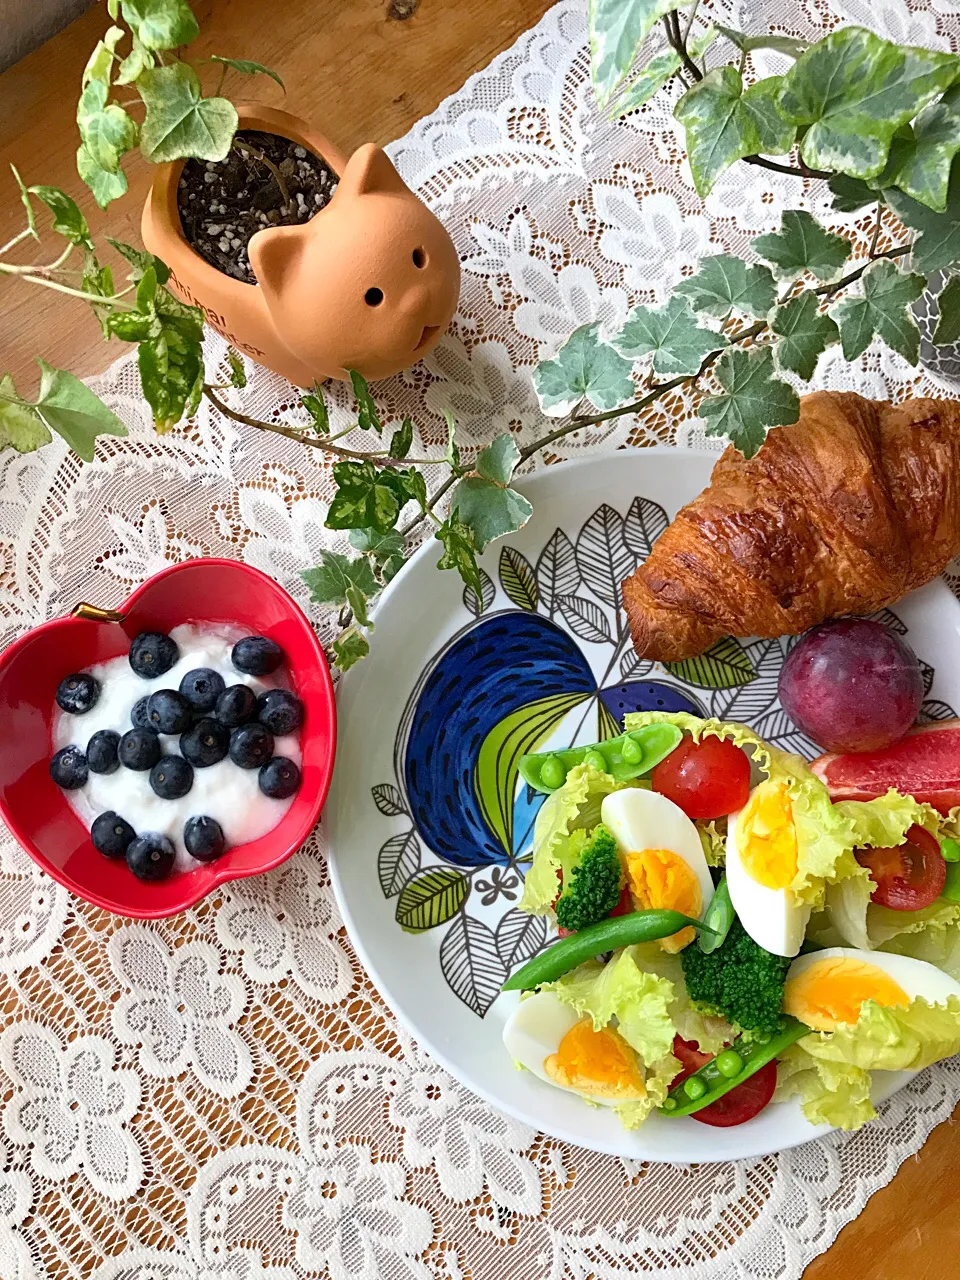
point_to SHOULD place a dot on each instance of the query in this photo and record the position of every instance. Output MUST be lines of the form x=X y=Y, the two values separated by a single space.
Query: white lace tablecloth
x=223 y=1095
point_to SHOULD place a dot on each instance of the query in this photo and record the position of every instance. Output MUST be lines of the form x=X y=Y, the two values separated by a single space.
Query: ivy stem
x=8 y=268
x=687 y=26
x=876 y=230
x=672 y=26
x=444 y=489
x=21 y=235
x=95 y=299
x=793 y=170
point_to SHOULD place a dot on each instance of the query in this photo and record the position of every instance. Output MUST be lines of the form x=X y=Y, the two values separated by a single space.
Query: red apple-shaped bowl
x=36 y=810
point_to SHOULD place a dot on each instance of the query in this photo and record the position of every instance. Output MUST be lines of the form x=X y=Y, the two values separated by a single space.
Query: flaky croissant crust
x=843 y=512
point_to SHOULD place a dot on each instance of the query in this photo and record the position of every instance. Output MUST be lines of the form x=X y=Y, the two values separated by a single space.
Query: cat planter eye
x=370 y=281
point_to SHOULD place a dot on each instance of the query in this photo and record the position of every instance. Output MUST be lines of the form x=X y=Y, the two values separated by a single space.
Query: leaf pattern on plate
x=479 y=604
x=558 y=573
x=388 y=799
x=519 y=936
x=643 y=525
x=725 y=665
x=430 y=898
x=397 y=861
x=471 y=963
x=585 y=619
x=518 y=579
x=603 y=555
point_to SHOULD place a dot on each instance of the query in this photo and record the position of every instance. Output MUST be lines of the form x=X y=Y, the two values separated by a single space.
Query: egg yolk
x=661 y=878
x=767 y=837
x=830 y=992
x=600 y=1063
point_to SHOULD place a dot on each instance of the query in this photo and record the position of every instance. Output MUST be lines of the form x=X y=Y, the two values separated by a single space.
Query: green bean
x=730 y=1068
x=629 y=756
x=719 y=916
x=951 y=886
x=606 y=935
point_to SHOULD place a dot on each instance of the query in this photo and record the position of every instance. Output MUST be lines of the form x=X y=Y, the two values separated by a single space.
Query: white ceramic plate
x=427 y=820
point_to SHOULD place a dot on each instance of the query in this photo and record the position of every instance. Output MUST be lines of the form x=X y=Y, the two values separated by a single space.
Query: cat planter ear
x=369 y=172
x=276 y=254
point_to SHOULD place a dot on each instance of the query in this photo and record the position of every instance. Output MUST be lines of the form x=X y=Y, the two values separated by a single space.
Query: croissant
x=843 y=512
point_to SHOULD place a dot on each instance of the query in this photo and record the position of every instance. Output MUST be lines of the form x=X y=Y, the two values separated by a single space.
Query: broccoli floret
x=594 y=888
x=739 y=980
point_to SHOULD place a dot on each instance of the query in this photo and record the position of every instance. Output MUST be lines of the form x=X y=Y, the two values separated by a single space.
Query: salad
x=730 y=933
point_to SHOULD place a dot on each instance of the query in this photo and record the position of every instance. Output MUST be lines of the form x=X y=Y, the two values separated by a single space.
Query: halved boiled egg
x=662 y=855
x=761 y=865
x=826 y=988
x=559 y=1046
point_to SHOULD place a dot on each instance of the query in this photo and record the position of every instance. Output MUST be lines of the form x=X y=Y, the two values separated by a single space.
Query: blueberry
x=280 y=710
x=206 y=743
x=279 y=778
x=202 y=687
x=171 y=777
x=68 y=768
x=111 y=834
x=256 y=655
x=152 y=653
x=251 y=746
x=168 y=712
x=102 y=752
x=151 y=856
x=139 y=716
x=204 y=838
x=139 y=749
x=236 y=705
x=78 y=693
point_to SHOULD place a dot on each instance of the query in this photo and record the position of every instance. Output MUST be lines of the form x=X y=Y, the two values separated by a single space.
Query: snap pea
x=730 y=1068
x=719 y=916
x=950 y=849
x=605 y=935
x=628 y=756
x=951 y=886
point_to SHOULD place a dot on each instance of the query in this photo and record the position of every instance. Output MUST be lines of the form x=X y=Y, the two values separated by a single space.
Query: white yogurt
x=222 y=791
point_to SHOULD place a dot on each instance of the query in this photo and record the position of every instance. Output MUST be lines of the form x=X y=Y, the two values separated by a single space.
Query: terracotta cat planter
x=369 y=283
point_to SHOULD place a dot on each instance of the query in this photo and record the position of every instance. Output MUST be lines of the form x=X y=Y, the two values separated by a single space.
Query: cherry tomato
x=742 y=1103
x=707 y=779
x=909 y=877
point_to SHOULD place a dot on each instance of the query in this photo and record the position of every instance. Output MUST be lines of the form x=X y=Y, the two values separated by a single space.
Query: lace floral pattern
x=223 y=1095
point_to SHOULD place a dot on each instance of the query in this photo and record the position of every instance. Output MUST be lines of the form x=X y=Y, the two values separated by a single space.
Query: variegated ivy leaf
x=21 y=427
x=180 y=121
x=804 y=333
x=882 y=310
x=161 y=24
x=617 y=30
x=938 y=244
x=671 y=332
x=723 y=123
x=650 y=81
x=483 y=500
x=754 y=399
x=948 y=306
x=852 y=91
x=107 y=132
x=851 y=194
x=802 y=245
x=924 y=168
x=584 y=367
x=724 y=283
x=100 y=63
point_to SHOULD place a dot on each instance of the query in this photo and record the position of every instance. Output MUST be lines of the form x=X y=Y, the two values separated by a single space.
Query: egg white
x=639 y=819
x=916 y=977
x=534 y=1031
x=775 y=919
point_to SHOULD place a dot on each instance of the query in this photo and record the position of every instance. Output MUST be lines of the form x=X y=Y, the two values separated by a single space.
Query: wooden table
x=397 y=70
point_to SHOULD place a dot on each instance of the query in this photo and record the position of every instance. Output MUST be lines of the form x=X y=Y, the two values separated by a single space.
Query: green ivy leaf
x=366 y=497
x=948 y=305
x=100 y=63
x=650 y=81
x=754 y=401
x=725 y=665
x=882 y=310
x=329 y=580
x=460 y=552
x=68 y=221
x=384 y=549
x=851 y=194
x=805 y=334
x=316 y=406
x=583 y=367
x=248 y=68
x=923 y=171
x=724 y=283
x=26 y=202
x=617 y=30
x=106 y=131
x=138 y=59
x=68 y=407
x=357 y=602
x=671 y=332
x=140 y=261
x=133 y=326
x=431 y=897
x=160 y=24
x=21 y=427
x=349 y=648
x=853 y=91
x=171 y=364
x=99 y=280
x=104 y=185
x=367 y=417
x=498 y=460
x=238 y=374
x=764 y=40
x=453 y=453
x=802 y=245
x=180 y=121
x=723 y=123
x=402 y=439
x=938 y=244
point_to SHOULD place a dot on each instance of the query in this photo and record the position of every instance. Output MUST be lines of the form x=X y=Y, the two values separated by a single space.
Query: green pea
x=632 y=752
x=694 y=1088
x=552 y=773
x=729 y=1063
x=763 y=1038
x=950 y=850
x=669 y=1104
x=596 y=761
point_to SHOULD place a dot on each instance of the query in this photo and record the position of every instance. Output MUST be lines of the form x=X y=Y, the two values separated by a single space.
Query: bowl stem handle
x=94 y=613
